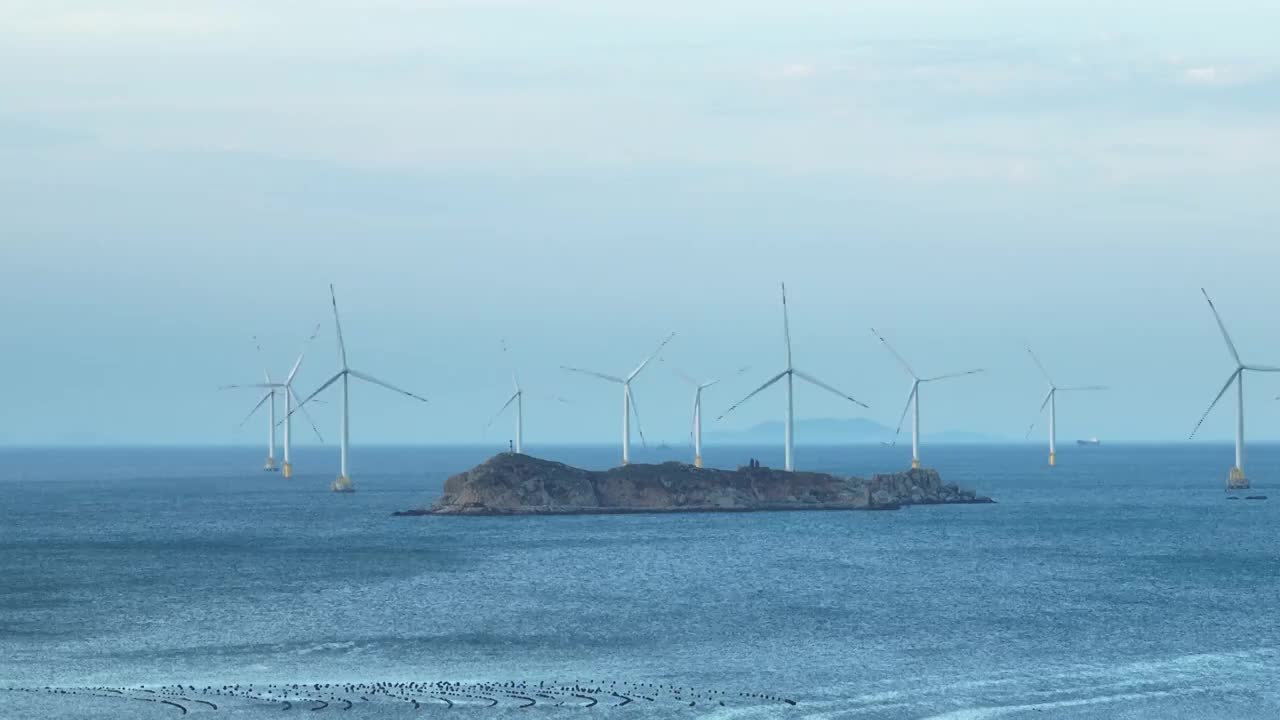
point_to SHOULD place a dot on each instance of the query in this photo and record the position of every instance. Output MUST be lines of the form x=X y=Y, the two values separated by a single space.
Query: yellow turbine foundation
x=342 y=485
x=915 y=464
x=1053 y=459
x=1237 y=480
x=288 y=470
x=697 y=461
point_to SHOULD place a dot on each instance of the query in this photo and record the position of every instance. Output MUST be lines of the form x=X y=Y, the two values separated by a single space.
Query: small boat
x=1090 y=442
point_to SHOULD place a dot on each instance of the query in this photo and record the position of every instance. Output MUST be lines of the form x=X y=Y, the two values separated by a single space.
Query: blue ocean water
x=1120 y=584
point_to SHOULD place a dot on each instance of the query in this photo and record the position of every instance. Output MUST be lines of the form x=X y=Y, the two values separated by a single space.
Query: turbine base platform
x=697 y=461
x=1236 y=480
x=287 y=471
x=342 y=485
x=1053 y=459
x=915 y=464
x=270 y=465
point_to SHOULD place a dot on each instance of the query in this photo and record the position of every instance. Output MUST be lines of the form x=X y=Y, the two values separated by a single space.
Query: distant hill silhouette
x=834 y=431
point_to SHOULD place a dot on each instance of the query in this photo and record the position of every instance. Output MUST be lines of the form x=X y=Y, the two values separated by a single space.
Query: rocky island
x=514 y=484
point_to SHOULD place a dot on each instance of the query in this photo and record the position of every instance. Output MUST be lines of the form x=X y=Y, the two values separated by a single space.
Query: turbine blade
x=1039 y=365
x=636 y=413
x=1221 y=392
x=314 y=332
x=337 y=323
x=250 y=385
x=297 y=363
x=321 y=389
x=515 y=380
x=769 y=382
x=683 y=376
x=708 y=384
x=953 y=375
x=828 y=388
x=1225 y=336
x=915 y=387
x=651 y=356
x=1077 y=388
x=498 y=414
x=306 y=414
x=786 y=324
x=387 y=385
x=264 y=399
x=257 y=346
x=1262 y=368
x=1032 y=426
x=901 y=361
x=593 y=373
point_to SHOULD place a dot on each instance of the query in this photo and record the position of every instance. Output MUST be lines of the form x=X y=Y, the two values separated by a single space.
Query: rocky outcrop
x=919 y=486
x=512 y=484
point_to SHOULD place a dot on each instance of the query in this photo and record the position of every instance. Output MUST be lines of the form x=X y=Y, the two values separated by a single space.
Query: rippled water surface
x=1121 y=584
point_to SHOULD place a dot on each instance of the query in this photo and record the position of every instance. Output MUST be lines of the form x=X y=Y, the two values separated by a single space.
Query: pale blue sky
x=583 y=177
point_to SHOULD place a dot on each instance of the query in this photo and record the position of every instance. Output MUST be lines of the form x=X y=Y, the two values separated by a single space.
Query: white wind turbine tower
x=286 y=388
x=343 y=481
x=1236 y=479
x=790 y=373
x=913 y=398
x=1051 y=399
x=628 y=400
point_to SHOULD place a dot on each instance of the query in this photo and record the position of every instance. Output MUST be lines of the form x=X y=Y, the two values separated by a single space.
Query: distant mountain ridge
x=824 y=431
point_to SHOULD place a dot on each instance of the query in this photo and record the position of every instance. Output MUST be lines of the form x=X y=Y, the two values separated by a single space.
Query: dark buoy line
x=317 y=697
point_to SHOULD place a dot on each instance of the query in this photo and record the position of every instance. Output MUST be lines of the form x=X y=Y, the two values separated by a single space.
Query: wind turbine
x=268 y=397
x=790 y=373
x=270 y=464
x=1236 y=479
x=697 y=410
x=628 y=400
x=286 y=388
x=913 y=399
x=1051 y=399
x=697 y=414
x=343 y=481
x=518 y=399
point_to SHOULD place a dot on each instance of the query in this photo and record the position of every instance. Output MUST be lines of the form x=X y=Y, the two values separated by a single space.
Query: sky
x=575 y=180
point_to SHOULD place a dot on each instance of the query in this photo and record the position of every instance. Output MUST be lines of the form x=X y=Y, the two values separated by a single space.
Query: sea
x=164 y=582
